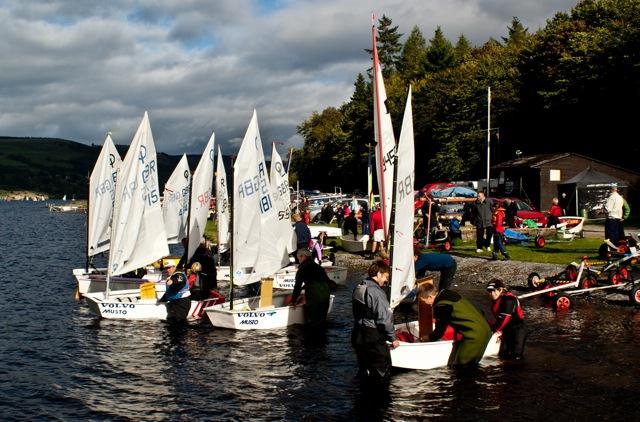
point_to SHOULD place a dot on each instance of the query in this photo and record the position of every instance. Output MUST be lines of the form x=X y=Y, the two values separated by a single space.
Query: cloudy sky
x=77 y=69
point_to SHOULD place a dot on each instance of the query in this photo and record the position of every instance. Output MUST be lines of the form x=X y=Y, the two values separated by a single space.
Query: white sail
x=138 y=236
x=222 y=205
x=175 y=203
x=102 y=183
x=281 y=200
x=403 y=271
x=385 y=141
x=255 y=217
x=201 y=196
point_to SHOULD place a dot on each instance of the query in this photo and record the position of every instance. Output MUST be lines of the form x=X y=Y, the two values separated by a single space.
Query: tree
x=389 y=46
x=462 y=50
x=440 y=54
x=518 y=34
x=412 y=59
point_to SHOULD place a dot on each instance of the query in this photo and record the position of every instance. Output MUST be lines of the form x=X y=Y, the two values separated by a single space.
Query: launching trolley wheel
x=571 y=272
x=603 y=252
x=587 y=282
x=623 y=272
x=447 y=245
x=561 y=302
x=539 y=241
x=535 y=281
x=615 y=277
x=634 y=295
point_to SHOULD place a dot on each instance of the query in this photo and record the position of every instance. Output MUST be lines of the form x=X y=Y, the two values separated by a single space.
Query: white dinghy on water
x=419 y=355
x=257 y=252
x=138 y=235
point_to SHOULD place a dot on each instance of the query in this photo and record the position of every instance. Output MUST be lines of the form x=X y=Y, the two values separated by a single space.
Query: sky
x=79 y=69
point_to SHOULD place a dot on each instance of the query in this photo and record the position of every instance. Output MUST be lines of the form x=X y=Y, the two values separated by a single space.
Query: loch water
x=60 y=362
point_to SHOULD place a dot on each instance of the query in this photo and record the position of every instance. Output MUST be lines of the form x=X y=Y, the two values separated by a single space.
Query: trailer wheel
x=603 y=252
x=535 y=281
x=561 y=302
x=447 y=245
x=571 y=272
x=539 y=241
x=588 y=282
x=634 y=295
x=623 y=272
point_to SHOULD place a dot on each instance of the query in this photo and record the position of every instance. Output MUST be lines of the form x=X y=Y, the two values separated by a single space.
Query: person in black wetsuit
x=373 y=325
x=316 y=285
x=509 y=319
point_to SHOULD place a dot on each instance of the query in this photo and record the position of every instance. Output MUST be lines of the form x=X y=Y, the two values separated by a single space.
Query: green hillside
x=59 y=167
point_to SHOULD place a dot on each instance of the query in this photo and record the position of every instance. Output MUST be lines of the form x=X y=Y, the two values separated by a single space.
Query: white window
x=554 y=175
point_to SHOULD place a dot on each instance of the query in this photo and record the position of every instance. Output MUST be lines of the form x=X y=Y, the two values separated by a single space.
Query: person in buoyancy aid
x=177 y=296
x=196 y=281
x=509 y=318
x=449 y=308
x=373 y=324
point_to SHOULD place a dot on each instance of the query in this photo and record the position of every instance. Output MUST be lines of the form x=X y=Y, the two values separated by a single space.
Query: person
x=182 y=264
x=307 y=216
x=449 y=308
x=350 y=225
x=509 y=320
x=326 y=214
x=373 y=324
x=196 y=280
x=209 y=275
x=555 y=212
x=497 y=220
x=177 y=295
x=435 y=262
x=626 y=212
x=482 y=221
x=339 y=215
x=317 y=285
x=364 y=217
x=303 y=234
x=347 y=210
x=355 y=207
x=376 y=230
x=510 y=212
x=316 y=247
x=613 y=208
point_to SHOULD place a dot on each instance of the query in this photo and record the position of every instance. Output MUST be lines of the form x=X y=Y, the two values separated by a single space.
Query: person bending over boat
x=373 y=324
x=435 y=262
x=177 y=296
x=449 y=308
x=316 y=285
x=509 y=320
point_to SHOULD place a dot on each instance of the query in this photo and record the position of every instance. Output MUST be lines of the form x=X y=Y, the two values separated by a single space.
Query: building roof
x=535 y=161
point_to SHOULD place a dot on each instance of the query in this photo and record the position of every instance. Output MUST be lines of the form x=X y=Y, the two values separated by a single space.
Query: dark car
x=525 y=212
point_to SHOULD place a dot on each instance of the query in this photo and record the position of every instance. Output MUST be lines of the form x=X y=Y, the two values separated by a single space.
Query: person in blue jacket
x=436 y=262
x=177 y=296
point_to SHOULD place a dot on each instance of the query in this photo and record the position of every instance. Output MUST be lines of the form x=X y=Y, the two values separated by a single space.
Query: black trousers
x=483 y=237
x=177 y=310
x=372 y=351
x=513 y=341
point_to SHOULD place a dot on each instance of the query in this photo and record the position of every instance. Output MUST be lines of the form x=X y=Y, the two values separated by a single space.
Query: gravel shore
x=471 y=272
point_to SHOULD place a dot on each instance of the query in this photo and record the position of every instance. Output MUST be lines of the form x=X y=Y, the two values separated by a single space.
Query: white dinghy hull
x=127 y=304
x=429 y=355
x=286 y=278
x=361 y=244
x=96 y=281
x=247 y=315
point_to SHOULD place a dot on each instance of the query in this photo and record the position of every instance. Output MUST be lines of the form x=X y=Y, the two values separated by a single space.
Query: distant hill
x=60 y=167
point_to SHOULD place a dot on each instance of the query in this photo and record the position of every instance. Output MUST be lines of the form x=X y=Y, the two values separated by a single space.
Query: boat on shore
x=359 y=245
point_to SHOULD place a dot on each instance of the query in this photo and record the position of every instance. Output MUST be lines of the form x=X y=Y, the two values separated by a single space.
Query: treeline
x=573 y=86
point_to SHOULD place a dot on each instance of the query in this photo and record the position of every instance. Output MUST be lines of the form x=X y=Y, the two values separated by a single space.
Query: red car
x=525 y=212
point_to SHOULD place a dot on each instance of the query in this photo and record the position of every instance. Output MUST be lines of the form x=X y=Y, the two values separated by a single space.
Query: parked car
x=525 y=212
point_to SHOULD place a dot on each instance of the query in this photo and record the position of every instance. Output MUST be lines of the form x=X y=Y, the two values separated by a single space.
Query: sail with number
x=201 y=189
x=222 y=205
x=280 y=187
x=175 y=202
x=138 y=234
x=403 y=268
x=255 y=217
x=102 y=183
x=384 y=138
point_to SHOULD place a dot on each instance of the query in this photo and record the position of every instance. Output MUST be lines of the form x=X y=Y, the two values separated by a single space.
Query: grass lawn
x=552 y=253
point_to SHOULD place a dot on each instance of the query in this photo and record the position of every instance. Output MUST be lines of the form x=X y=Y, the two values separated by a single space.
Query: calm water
x=60 y=362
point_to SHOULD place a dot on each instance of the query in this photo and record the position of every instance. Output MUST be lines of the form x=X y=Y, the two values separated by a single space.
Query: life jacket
x=359 y=302
x=183 y=292
x=495 y=306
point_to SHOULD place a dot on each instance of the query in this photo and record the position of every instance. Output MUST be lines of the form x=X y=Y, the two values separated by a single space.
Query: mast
x=87 y=221
x=230 y=206
x=392 y=223
x=186 y=249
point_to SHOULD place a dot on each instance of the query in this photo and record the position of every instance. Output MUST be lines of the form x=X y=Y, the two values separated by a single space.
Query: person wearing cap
x=509 y=320
x=449 y=308
x=177 y=296
x=317 y=285
x=613 y=208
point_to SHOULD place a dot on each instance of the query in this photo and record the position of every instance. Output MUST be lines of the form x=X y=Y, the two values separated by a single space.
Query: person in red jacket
x=376 y=230
x=555 y=212
x=497 y=221
x=509 y=320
